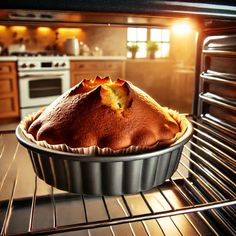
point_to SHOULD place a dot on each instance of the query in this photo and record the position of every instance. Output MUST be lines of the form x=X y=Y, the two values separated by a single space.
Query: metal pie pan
x=104 y=175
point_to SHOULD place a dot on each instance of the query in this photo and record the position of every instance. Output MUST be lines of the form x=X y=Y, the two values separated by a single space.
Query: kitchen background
x=174 y=73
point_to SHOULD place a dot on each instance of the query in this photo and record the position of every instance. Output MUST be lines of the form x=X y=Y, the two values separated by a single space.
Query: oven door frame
x=26 y=77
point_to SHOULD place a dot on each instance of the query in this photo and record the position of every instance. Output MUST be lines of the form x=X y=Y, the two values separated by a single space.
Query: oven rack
x=184 y=205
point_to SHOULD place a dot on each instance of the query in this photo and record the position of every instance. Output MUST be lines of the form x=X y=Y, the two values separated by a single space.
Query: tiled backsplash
x=112 y=41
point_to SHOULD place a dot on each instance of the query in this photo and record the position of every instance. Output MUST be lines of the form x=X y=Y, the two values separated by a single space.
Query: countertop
x=94 y=58
x=74 y=58
x=8 y=58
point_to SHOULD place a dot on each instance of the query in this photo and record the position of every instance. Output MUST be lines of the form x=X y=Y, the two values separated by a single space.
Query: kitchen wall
x=168 y=85
x=170 y=80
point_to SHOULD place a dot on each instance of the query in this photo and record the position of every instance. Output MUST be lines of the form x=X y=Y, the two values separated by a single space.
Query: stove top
x=28 y=61
x=38 y=54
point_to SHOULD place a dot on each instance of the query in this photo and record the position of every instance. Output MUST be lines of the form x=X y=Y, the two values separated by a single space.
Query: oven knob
x=32 y=65
x=56 y=65
x=63 y=64
x=23 y=65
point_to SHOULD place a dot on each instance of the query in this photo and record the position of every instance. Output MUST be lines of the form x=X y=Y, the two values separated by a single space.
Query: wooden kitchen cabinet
x=9 y=105
x=80 y=70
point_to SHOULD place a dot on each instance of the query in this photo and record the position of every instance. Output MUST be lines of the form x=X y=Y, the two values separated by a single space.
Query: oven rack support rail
x=154 y=205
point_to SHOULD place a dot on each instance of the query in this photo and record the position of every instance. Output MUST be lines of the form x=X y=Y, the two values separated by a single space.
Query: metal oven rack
x=28 y=206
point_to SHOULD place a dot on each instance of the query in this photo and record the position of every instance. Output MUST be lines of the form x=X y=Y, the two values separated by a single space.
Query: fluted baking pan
x=104 y=175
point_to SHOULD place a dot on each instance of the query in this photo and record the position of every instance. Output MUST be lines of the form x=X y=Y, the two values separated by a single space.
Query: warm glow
x=19 y=28
x=3 y=27
x=43 y=29
x=182 y=28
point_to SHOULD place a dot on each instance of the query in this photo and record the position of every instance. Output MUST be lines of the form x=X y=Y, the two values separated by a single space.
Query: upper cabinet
x=9 y=105
x=90 y=69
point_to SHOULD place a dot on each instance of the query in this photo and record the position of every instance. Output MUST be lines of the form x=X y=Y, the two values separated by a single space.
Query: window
x=162 y=37
x=140 y=37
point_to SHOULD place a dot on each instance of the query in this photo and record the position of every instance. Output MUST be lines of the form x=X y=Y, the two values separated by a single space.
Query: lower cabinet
x=9 y=105
x=90 y=69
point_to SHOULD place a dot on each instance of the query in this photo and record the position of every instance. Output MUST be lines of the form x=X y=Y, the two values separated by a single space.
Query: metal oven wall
x=215 y=113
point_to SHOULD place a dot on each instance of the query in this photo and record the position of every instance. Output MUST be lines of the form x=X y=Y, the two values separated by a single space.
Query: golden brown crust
x=84 y=116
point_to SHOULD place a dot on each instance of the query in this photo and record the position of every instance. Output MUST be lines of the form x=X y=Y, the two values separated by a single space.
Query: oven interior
x=200 y=198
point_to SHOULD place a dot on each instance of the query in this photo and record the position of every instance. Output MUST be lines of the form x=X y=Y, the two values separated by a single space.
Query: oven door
x=39 y=89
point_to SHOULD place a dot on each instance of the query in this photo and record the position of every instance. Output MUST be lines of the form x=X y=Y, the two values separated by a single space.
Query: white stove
x=42 y=78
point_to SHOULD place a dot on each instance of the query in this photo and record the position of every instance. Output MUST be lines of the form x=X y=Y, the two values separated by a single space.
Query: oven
x=41 y=81
x=200 y=199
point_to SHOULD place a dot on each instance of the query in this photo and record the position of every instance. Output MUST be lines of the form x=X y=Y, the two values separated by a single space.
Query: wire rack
x=195 y=201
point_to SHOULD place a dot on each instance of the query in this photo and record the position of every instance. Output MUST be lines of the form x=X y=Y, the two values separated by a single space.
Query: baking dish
x=104 y=175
